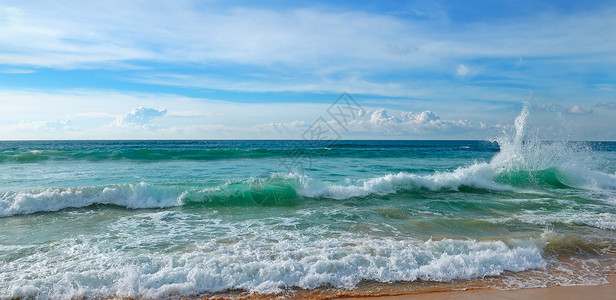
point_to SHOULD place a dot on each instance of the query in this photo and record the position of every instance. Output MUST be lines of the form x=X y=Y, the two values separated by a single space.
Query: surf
x=523 y=164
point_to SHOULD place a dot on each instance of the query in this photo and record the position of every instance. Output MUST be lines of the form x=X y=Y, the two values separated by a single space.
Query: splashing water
x=568 y=163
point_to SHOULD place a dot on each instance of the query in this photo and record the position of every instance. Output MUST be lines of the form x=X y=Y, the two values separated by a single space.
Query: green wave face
x=549 y=178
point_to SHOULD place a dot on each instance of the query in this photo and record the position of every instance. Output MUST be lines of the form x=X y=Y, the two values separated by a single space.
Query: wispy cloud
x=43 y=126
x=607 y=104
x=423 y=57
x=462 y=70
x=575 y=109
x=95 y=115
x=578 y=110
x=550 y=107
x=79 y=35
x=16 y=71
x=604 y=87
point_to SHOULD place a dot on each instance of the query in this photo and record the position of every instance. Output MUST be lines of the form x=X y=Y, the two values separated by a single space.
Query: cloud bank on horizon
x=220 y=70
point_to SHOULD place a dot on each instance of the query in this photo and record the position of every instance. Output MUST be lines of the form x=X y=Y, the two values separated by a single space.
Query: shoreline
x=596 y=292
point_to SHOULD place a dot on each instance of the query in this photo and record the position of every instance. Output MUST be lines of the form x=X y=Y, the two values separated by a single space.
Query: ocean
x=171 y=219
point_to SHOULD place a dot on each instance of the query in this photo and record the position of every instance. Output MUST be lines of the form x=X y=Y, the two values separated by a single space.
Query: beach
x=600 y=292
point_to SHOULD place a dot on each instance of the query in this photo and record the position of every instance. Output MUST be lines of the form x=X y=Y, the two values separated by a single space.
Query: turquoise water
x=182 y=218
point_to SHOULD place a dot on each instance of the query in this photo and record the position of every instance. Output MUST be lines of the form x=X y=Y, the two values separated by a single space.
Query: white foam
x=604 y=181
x=604 y=220
x=140 y=195
x=250 y=255
x=479 y=175
x=523 y=151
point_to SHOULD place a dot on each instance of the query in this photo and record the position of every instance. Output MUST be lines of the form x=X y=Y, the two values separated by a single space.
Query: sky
x=282 y=69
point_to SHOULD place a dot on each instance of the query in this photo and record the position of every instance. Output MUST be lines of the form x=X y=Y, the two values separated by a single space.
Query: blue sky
x=268 y=70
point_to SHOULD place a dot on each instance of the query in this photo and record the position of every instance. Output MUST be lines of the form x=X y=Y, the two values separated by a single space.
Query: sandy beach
x=601 y=292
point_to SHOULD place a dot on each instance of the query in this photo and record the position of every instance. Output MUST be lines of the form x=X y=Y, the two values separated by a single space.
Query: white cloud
x=423 y=118
x=94 y=108
x=283 y=126
x=376 y=125
x=55 y=125
x=102 y=114
x=140 y=116
x=462 y=70
x=380 y=117
x=407 y=123
x=578 y=110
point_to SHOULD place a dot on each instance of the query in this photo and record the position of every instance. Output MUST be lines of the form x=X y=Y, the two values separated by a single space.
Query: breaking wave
x=521 y=165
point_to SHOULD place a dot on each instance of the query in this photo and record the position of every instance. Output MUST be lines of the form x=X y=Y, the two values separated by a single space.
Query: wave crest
x=288 y=189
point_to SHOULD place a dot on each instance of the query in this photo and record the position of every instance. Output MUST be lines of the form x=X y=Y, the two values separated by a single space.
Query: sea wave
x=33 y=156
x=94 y=270
x=254 y=256
x=140 y=195
x=154 y=155
x=289 y=189
x=522 y=165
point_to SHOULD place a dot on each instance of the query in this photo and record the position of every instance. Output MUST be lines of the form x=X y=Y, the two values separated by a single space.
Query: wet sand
x=600 y=292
